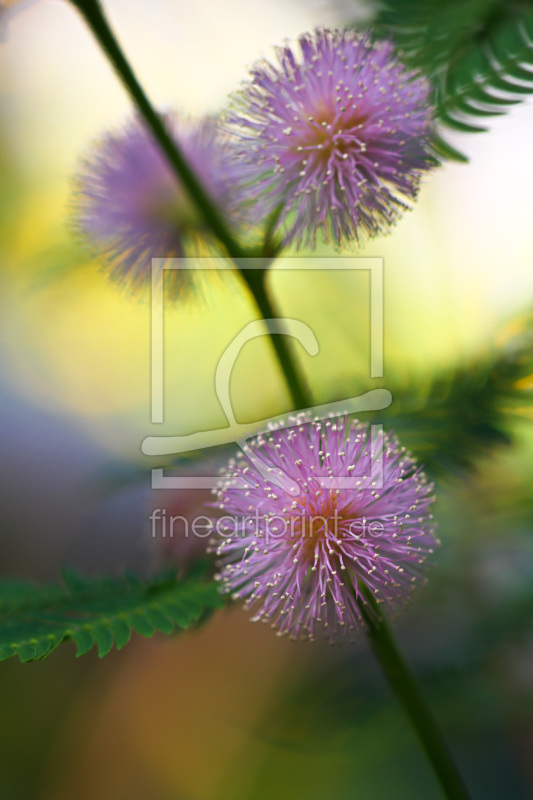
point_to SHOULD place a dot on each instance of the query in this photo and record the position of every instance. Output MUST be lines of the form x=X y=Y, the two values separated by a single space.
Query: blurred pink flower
x=130 y=207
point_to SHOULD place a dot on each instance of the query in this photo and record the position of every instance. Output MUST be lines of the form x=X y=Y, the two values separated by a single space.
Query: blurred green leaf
x=478 y=54
x=451 y=420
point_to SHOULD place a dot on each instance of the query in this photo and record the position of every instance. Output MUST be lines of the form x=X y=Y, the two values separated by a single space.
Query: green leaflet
x=465 y=413
x=34 y=620
x=478 y=54
x=445 y=150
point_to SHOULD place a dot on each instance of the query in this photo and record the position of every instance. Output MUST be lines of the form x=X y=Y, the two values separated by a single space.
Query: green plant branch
x=97 y=22
x=379 y=635
x=256 y=280
x=93 y=14
x=408 y=694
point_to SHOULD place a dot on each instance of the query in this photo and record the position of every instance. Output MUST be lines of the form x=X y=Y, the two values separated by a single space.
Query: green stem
x=408 y=694
x=97 y=22
x=255 y=279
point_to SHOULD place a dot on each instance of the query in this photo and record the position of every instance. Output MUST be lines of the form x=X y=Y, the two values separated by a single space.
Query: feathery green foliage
x=478 y=54
x=34 y=620
x=462 y=414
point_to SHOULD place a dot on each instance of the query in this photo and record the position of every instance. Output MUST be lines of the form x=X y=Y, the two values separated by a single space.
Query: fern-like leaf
x=478 y=55
x=34 y=620
x=465 y=413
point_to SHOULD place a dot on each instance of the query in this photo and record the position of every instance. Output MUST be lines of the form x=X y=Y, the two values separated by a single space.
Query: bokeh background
x=231 y=712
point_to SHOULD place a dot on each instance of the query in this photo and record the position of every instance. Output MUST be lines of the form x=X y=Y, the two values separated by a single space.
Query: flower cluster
x=339 y=137
x=335 y=139
x=324 y=515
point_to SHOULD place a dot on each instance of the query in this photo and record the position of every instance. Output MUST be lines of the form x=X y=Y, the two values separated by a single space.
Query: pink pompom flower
x=337 y=135
x=302 y=553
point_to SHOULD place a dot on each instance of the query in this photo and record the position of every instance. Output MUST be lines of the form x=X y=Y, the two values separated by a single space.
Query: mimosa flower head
x=337 y=135
x=305 y=554
x=130 y=206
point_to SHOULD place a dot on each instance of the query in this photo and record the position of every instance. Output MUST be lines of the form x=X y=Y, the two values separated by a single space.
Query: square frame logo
x=235 y=432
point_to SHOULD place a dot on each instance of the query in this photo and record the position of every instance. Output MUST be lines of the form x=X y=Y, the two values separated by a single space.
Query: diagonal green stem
x=255 y=279
x=380 y=637
x=408 y=694
x=97 y=22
